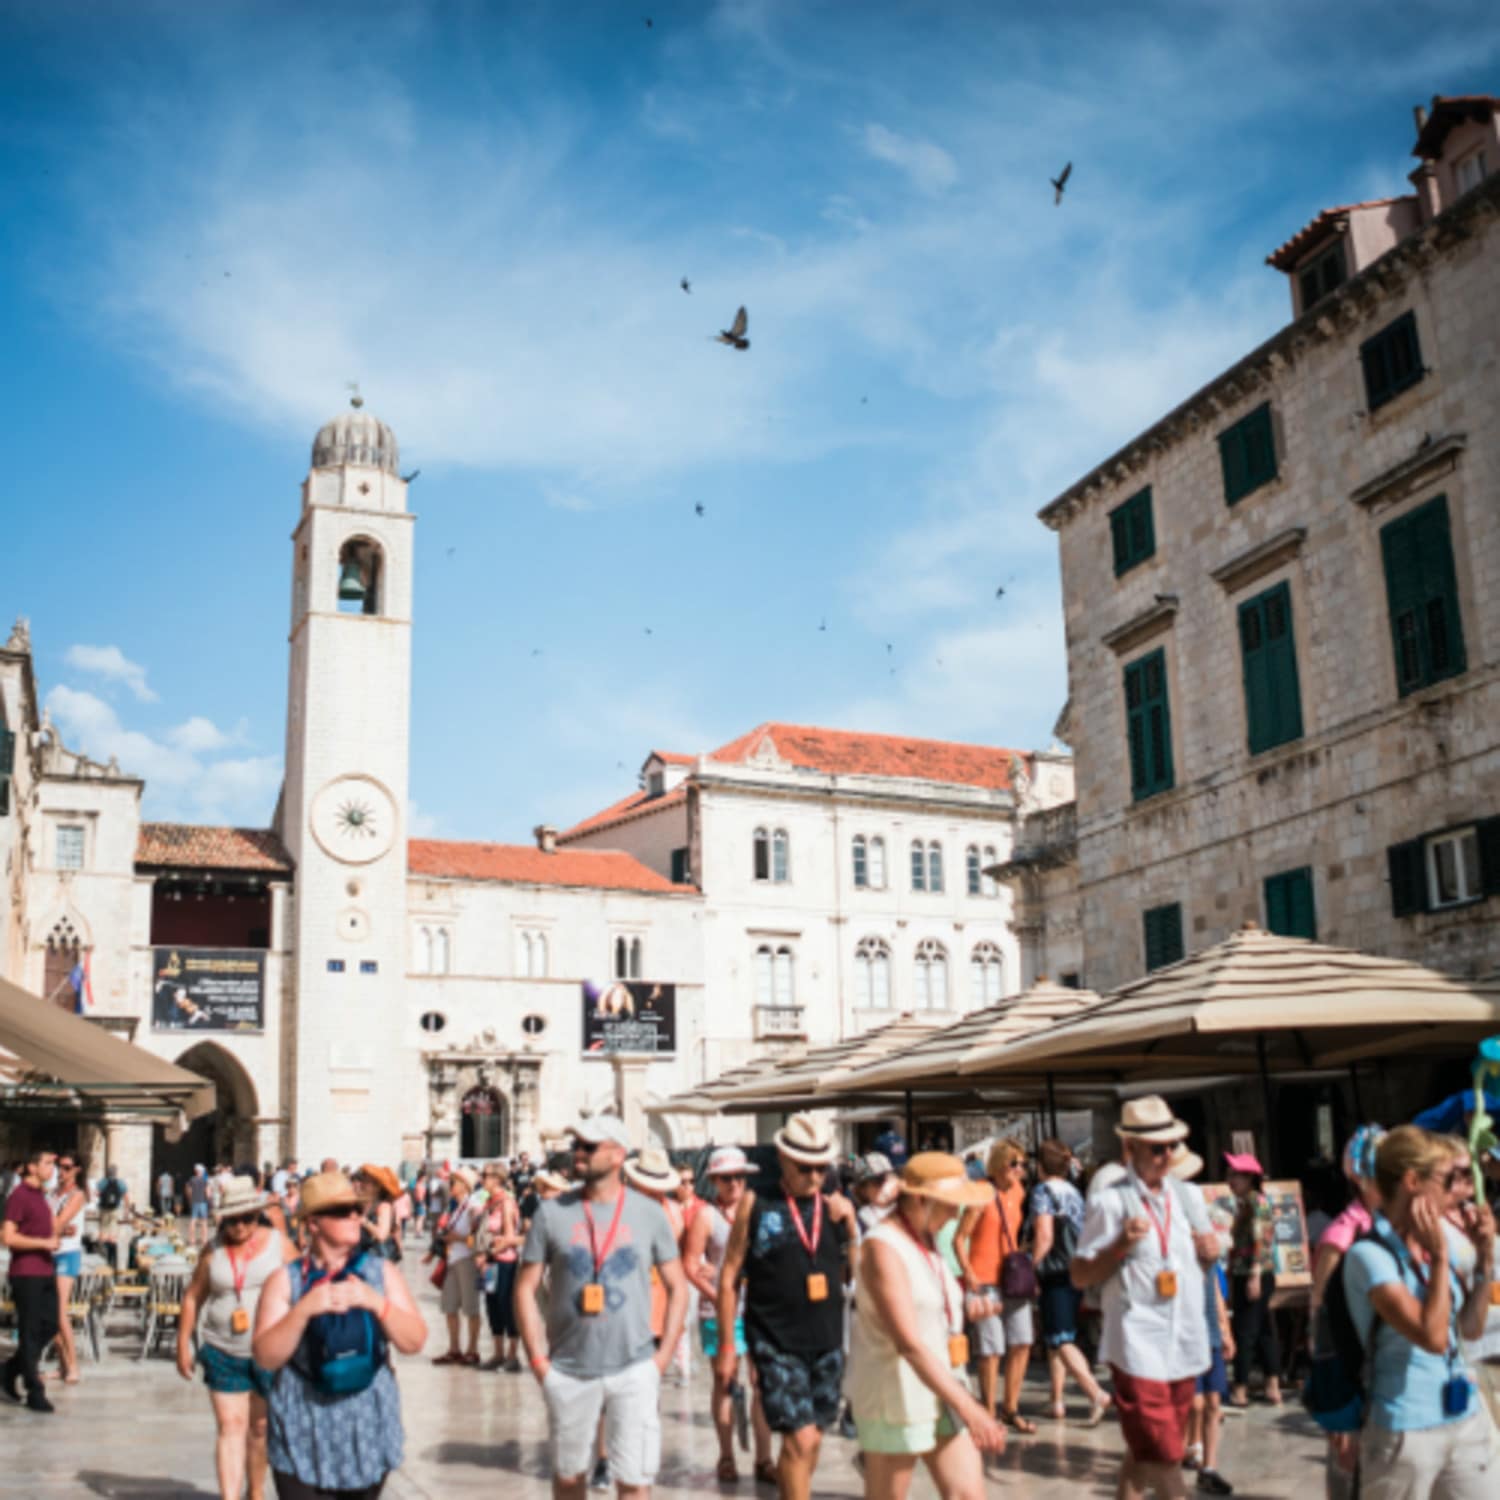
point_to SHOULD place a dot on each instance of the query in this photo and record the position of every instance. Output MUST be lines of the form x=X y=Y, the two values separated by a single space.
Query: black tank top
x=776 y=1271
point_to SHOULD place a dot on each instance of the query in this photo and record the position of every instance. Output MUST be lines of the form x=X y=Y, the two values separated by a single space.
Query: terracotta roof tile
x=1284 y=257
x=1449 y=110
x=846 y=753
x=194 y=846
x=637 y=804
x=525 y=864
x=672 y=758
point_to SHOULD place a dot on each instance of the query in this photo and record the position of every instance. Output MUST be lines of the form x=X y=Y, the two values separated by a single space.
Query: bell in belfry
x=351 y=584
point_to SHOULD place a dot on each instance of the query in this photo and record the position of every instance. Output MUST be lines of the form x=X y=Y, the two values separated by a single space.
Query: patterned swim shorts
x=797 y=1390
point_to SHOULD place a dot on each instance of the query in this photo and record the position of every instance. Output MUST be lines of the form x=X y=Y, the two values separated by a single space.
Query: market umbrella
x=54 y=1062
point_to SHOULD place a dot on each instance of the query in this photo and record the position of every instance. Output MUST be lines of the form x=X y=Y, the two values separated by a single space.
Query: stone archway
x=482 y=1134
x=461 y=1075
x=228 y=1134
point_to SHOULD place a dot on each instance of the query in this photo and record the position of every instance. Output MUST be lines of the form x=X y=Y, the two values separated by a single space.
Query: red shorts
x=1153 y=1415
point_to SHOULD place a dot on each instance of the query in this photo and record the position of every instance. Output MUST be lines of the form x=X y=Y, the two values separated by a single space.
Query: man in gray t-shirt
x=600 y=1246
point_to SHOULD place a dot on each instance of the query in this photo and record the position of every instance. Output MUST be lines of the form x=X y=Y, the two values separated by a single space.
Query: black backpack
x=112 y=1194
x=1334 y=1392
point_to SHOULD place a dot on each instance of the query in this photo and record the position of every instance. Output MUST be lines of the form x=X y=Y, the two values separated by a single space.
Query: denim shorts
x=231 y=1375
x=67 y=1263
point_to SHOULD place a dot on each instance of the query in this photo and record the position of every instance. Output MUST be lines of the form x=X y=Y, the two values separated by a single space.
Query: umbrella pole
x=1052 y=1104
x=1265 y=1089
x=1359 y=1108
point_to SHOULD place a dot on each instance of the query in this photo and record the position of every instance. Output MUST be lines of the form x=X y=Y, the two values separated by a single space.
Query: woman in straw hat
x=908 y=1353
x=652 y=1173
x=325 y=1441
x=379 y=1187
x=220 y=1304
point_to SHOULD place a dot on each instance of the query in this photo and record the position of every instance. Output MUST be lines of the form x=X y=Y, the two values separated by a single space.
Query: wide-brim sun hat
x=383 y=1178
x=468 y=1176
x=240 y=1198
x=325 y=1190
x=1184 y=1164
x=936 y=1175
x=808 y=1141
x=729 y=1161
x=1150 y=1118
x=553 y=1180
x=652 y=1171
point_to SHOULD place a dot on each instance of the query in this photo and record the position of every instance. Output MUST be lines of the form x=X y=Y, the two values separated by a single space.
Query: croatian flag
x=83 y=986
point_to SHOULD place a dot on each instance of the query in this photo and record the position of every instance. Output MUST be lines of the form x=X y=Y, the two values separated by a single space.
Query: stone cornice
x=1331 y=318
x=1142 y=627
x=1434 y=458
x=1259 y=560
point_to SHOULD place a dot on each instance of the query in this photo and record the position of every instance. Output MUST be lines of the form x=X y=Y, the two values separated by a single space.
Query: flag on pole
x=83 y=987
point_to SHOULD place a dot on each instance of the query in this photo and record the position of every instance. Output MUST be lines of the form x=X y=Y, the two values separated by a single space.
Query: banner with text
x=208 y=989
x=630 y=1016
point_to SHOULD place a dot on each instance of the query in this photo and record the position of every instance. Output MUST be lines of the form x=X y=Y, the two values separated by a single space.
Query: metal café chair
x=83 y=1305
x=168 y=1284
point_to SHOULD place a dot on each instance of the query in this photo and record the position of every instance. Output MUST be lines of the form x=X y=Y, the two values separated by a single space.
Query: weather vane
x=355 y=400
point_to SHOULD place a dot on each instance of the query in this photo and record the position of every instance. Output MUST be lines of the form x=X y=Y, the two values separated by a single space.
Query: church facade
x=357 y=993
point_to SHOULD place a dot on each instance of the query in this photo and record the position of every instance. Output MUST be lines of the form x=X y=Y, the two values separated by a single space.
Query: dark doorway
x=225 y=1135
x=482 y=1129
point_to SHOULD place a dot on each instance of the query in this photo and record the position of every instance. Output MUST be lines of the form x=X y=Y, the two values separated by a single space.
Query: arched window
x=872 y=975
x=935 y=868
x=786 y=979
x=524 y=955
x=986 y=975
x=635 y=958
x=780 y=857
x=539 y=956
x=359 y=581
x=971 y=868
x=622 y=958
x=762 y=865
x=421 y=959
x=991 y=859
x=861 y=863
x=775 y=978
x=931 y=978
x=877 y=863
x=765 y=978
x=440 y=951
x=918 y=866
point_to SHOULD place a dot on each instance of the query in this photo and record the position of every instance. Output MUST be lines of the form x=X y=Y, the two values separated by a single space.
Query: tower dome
x=356 y=437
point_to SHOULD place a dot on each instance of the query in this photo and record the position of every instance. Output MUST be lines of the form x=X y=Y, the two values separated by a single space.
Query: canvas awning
x=930 y=1062
x=55 y=1063
x=1252 y=1003
x=707 y=1098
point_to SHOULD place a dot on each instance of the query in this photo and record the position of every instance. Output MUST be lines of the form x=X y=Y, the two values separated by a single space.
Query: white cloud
x=422 y=825
x=112 y=664
x=199 y=736
x=929 y=167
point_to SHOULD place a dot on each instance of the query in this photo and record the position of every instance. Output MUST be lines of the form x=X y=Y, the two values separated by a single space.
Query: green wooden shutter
x=1427 y=633
x=1290 y=909
x=1273 y=697
x=1247 y=454
x=1487 y=830
x=1391 y=361
x=1119 y=532
x=1408 y=871
x=1149 y=725
x=1132 y=531
x=1163 y=934
x=7 y=752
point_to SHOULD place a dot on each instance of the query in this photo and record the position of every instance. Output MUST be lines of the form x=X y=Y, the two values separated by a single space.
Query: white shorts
x=1008 y=1329
x=631 y=1402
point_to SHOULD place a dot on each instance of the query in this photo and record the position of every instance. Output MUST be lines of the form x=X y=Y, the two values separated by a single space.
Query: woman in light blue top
x=1426 y=1433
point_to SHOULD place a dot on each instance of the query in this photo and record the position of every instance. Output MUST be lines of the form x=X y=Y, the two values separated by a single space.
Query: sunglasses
x=810 y=1171
x=1455 y=1177
x=67 y=1166
x=586 y=1148
x=1160 y=1149
x=338 y=1211
x=240 y=1221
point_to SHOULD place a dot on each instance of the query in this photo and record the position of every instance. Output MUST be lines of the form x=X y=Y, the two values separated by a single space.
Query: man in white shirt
x=1144 y=1244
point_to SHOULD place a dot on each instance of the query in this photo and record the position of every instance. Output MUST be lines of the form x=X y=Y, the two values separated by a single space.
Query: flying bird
x=649 y=22
x=452 y=550
x=536 y=650
x=1061 y=181
x=407 y=478
x=1000 y=592
x=734 y=335
x=698 y=508
x=686 y=285
x=648 y=630
x=823 y=625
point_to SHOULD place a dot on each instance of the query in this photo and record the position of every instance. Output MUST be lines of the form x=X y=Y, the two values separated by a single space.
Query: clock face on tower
x=354 y=819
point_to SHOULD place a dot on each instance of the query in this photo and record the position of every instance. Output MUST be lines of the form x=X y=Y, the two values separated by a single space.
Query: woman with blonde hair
x=906 y=1379
x=1426 y=1434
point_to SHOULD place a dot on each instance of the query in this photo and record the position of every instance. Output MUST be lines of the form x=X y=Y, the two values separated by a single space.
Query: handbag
x=439 y=1273
x=1018 y=1281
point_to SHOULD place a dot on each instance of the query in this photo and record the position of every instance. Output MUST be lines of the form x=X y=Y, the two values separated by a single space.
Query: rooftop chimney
x=546 y=838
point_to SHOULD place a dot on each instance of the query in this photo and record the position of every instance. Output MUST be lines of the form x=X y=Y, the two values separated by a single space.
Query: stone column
x=442 y=1110
x=525 y=1092
x=630 y=1091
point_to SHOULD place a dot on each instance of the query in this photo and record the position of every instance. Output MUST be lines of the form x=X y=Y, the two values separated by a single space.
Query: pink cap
x=1243 y=1161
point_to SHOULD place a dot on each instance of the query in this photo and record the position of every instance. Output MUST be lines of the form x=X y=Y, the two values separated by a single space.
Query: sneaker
x=599 y=1479
x=1211 y=1482
x=512 y=1366
x=10 y=1388
x=741 y=1414
x=1193 y=1457
x=36 y=1401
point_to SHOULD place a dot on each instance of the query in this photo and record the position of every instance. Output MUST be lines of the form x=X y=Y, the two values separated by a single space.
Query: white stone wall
x=1371 y=768
x=649 y=836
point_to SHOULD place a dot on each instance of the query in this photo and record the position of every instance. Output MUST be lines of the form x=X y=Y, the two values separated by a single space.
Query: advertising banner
x=208 y=989
x=630 y=1015
x=1293 y=1263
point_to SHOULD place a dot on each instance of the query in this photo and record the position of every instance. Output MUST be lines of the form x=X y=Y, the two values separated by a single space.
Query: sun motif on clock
x=354 y=819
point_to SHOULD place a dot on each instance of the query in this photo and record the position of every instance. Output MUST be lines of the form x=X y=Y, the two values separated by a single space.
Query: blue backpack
x=341 y=1352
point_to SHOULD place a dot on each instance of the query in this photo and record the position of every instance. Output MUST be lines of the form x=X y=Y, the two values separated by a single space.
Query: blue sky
x=216 y=216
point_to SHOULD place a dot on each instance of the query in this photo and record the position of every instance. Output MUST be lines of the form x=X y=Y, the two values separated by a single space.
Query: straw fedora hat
x=652 y=1171
x=1150 y=1118
x=468 y=1176
x=239 y=1198
x=553 y=1181
x=325 y=1190
x=936 y=1175
x=383 y=1178
x=1184 y=1164
x=808 y=1141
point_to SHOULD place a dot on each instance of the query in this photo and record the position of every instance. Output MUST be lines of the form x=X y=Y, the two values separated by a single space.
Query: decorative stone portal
x=481 y=1100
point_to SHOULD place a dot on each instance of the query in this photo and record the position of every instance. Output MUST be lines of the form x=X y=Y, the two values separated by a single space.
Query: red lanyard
x=237 y=1271
x=810 y=1244
x=1163 y=1226
x=955 y=1325
x=600 y=1256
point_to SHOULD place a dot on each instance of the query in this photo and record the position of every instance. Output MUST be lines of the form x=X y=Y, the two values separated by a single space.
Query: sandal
x=726 y=1473
x=1059 y=1411
x=1098 y=1410
x=452 y=1357
x=1016 y=1422
x=765 y=1473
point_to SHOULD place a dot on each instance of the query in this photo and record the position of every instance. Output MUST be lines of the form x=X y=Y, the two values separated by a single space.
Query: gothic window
x=872 y=975
x=986 y=975
x=780 y=857
x=971 y=868
x=775 y=977
x=360 y=582
x=935 y=868
x=762 y=865
x=64 y=953
x=931 y=976
x=628 y=956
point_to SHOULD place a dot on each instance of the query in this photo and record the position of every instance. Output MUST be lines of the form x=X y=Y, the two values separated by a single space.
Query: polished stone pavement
x=138 y=1432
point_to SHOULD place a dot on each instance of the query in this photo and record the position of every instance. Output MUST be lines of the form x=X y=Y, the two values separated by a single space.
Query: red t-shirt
x=27 y=1208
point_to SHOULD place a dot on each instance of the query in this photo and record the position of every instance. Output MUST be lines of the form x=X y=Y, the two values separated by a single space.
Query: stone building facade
x=1283 y=609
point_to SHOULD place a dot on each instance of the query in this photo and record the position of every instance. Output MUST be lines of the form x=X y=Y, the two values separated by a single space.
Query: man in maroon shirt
x=30 y=1235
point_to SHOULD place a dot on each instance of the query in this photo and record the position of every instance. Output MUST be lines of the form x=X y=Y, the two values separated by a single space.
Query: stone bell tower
x=343 y=811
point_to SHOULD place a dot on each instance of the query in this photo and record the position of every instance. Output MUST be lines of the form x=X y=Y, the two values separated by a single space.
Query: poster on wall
x=1293 y=1264
x=208 y=989
x=629 y=1015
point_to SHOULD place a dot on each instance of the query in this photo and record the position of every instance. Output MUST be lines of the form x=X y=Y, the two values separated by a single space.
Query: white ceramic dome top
x=356 y=437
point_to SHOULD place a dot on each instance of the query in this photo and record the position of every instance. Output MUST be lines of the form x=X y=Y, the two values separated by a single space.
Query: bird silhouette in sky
x=407 y=478
x=648 y=630
x=686 y=285
x=823 y=625
x=1061 y=181
x=1000 y=592
x=698 y=509
x=536 y=650
x=734 y=335
x=452 y=550
x=649 y=22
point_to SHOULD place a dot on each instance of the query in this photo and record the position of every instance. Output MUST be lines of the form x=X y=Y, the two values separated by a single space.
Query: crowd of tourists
x=904 y=1310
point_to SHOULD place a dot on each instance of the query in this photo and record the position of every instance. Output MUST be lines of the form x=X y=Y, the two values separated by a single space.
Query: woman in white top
x=68 y=1202
x=906 y=1383
x=220 y=1303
